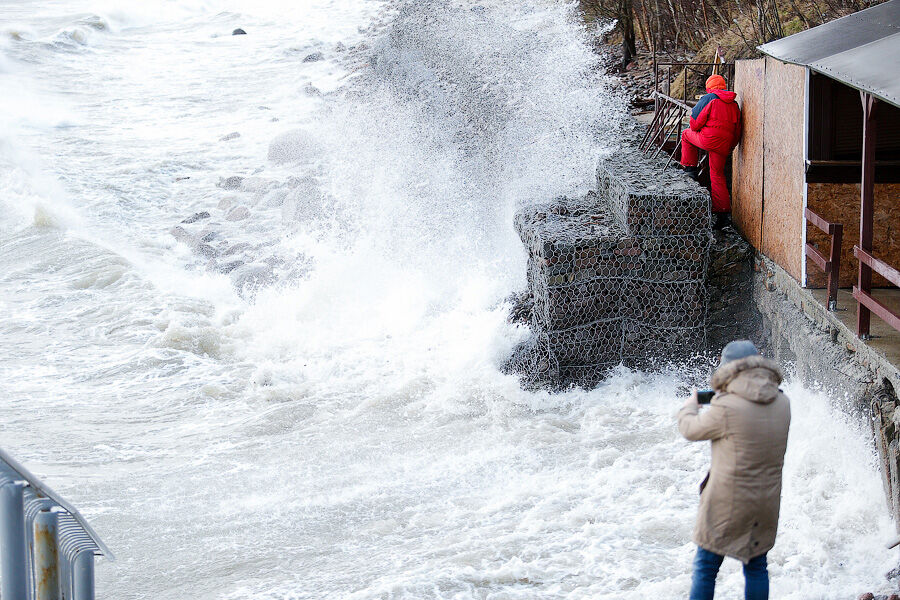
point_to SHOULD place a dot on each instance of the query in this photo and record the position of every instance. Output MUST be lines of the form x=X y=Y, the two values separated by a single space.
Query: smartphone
x=705 y=396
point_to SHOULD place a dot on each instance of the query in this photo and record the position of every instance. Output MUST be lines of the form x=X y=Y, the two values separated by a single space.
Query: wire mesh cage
x=617 y=276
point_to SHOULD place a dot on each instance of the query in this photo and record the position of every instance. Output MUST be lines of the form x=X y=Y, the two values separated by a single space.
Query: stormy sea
x=254 y=293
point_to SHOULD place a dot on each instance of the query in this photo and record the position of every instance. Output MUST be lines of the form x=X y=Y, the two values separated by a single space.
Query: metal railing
x=864 y=295
x=704 y=70
x=832 y=264
x=47 y=548
x=668 y=119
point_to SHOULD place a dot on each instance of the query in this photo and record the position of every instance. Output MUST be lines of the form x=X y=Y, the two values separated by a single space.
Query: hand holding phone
x=705 y=396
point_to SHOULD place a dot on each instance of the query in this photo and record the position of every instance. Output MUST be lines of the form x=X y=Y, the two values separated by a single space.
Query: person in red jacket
x=715 y=127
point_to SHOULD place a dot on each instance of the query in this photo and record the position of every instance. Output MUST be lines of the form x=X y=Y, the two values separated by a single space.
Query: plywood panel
x=783 y=175
x=839 y=203
x=747 y=172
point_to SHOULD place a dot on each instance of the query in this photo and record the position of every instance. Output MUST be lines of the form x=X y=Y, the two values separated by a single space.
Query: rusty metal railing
x=702 y=69
x=47 y=548
x=864 y=296
x=831 y=265
x=668 y=119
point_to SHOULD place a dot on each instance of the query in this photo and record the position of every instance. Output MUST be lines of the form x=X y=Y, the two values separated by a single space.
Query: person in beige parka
x=747 y=422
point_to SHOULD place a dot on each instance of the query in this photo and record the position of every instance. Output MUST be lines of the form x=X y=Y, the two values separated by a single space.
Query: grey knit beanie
x=736 y=350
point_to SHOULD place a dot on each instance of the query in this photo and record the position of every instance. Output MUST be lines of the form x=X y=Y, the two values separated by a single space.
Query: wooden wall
x=839 y=203
x=747 y=167
x=768 y=182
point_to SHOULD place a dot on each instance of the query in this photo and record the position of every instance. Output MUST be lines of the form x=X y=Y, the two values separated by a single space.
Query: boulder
x=238 y=213
x=231 y=136
x=304 y=201
x=197 y=217
x=206 y=251
x=314 y=57
x=238 y=31
x=182 y=235
x=230 y=183
x=294 y=146
x=252 y=276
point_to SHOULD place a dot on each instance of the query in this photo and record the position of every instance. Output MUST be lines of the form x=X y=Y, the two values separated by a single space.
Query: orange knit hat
x=716 y=82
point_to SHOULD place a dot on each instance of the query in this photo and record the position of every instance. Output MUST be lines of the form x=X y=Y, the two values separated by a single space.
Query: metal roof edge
x=854 y=85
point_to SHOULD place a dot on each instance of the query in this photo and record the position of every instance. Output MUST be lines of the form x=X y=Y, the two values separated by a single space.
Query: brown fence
x=832 y=264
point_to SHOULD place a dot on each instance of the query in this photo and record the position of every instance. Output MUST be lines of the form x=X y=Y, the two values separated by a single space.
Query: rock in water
x=238 y=31
x=196 y=217
x=252 y=276
x=230 y=183
x=206 y=251
x=304 y=201
x=231 y=136
x=292 y=146
x=182 y=235
x=238 y=213
x=314 y=57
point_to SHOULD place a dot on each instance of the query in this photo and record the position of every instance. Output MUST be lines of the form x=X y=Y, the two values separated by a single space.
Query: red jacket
x=717 y=119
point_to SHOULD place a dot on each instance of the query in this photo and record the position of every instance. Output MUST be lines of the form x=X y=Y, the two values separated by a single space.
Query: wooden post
x=867 y=210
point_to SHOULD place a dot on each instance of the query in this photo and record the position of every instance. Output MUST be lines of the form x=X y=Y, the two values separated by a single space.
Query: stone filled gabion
x=617 y=276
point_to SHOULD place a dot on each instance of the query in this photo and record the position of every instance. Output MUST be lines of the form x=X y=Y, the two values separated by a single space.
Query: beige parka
x=747 y=422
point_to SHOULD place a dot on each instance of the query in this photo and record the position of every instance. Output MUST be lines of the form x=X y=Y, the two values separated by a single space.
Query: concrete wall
x=769 y=168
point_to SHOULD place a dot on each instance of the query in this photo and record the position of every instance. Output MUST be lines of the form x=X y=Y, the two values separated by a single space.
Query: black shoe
x=723 y=220
x=692 y=172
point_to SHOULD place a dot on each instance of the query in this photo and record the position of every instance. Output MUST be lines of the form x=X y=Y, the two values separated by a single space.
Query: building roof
x=861 y=50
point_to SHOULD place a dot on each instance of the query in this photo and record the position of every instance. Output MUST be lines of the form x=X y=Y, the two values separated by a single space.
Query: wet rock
x=303 y=201
x=238 y=213
x=339 y=47
x=292 y=146
x=182 y=235
x=197 y=217
x=867 y=596
x=275 y=198
x=522 y=307
x=257 y=185
x=206 y=251
x=229 y=266
x=225 y=203
x=182 y=178
x=314 y=57
x=237 y=248
x=231 y=136
x=238 y=31
x=209 y=236
x=252 y=276
x=230 y=183
x=311 y=90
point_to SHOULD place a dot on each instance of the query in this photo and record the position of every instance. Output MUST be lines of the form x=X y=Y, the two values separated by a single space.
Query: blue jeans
x=706 y=567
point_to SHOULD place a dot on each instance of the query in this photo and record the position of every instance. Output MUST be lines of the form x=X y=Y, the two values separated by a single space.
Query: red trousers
x=690 y=142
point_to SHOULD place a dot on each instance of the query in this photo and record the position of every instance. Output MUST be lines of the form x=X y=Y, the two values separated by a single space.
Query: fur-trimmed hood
x=754 y=378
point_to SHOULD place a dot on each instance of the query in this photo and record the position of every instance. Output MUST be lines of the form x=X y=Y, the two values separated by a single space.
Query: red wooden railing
x=832 y=264
x=864 y=296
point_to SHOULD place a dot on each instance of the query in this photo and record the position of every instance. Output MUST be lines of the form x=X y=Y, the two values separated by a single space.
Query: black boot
x=723 y=220
x=692 y=172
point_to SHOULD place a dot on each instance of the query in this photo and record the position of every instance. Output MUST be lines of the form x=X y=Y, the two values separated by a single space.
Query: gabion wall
x=617 y=276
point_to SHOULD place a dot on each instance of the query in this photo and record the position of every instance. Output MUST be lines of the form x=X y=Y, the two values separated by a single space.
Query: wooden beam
x=866 y=212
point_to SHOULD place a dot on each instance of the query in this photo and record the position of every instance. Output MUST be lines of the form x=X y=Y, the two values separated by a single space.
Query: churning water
x=329 y=420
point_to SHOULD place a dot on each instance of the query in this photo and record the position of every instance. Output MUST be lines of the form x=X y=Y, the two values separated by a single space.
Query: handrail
x=831 y=265
x=865 y=298
x=879 y=266
x=667 y=119
x=47 y=547
x=43 y=491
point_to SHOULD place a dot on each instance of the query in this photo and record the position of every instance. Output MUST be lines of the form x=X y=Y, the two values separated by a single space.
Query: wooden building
x=820 y=156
